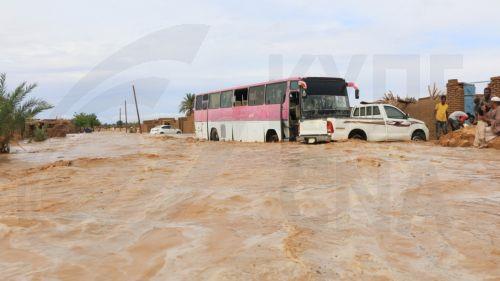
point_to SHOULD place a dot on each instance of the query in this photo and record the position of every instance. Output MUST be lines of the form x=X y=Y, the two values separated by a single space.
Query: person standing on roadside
x=494 y=116
x=482 y=123
x=441 y=114
x=487 y=98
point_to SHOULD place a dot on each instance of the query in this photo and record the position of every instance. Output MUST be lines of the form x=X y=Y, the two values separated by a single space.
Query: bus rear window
x=256 y=95
x=205 y=102
x=199 y=102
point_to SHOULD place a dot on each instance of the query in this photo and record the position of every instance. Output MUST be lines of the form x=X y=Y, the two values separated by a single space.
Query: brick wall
x=455 y=95
x=186 y=124
x=495 y=86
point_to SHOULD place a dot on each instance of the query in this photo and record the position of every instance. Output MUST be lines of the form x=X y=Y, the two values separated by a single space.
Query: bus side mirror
x=356 y=94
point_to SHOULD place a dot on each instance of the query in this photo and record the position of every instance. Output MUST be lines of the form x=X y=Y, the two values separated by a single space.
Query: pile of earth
x=465 y=138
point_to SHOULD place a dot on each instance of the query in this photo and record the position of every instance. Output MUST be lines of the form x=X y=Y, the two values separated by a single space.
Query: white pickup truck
x=371 y=122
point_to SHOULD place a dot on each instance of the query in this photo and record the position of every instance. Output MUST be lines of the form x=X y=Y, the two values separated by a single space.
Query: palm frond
x=187 y=104
x=3 y=86
x=21 y=92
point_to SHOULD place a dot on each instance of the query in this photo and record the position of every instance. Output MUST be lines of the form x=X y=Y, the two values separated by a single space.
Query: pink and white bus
x=270 y=111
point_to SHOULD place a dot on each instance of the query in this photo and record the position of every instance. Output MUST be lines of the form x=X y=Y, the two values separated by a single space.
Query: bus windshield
x=312 y=103
x=325 y=97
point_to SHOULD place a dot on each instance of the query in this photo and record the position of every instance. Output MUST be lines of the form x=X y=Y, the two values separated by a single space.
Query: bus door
x=294 y=115
x=204 y=118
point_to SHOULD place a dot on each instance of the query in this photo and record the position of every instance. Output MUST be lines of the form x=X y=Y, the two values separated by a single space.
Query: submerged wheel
x=418 y=136
x=214 y=136
x=357 y=135
x=272 y=136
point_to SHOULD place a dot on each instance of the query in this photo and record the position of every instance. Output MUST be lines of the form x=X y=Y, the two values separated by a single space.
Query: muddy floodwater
x=110 y=206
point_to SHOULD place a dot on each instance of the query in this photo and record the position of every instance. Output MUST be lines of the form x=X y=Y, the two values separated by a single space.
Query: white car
x=164 y=130
x=371 y=122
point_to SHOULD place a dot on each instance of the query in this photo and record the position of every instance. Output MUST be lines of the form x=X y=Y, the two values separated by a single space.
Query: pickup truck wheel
x=418 y=136
x=357 y=135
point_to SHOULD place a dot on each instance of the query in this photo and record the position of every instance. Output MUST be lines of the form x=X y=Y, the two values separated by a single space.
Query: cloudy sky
x=85 y=55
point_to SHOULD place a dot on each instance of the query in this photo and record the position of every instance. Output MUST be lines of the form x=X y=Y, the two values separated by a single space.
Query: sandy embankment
x=113 y=207
x=465 y=138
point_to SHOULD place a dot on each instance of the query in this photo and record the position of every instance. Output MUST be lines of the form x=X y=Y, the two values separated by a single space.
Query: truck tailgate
x=313 y=127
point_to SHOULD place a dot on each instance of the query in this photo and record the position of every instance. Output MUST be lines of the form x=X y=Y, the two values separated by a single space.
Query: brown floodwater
x=110 y=206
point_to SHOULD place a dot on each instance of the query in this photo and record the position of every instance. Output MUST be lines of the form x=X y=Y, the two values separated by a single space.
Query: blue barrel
x=469 y=93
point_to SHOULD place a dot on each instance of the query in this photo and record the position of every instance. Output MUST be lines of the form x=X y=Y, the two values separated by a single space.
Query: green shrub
x=40 y=134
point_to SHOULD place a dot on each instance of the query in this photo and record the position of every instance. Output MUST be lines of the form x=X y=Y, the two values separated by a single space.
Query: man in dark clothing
x=487 y=98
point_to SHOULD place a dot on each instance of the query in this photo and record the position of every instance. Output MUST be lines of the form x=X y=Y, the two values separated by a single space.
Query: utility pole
x=120 y=117
x=137 y=109
x=126 y=119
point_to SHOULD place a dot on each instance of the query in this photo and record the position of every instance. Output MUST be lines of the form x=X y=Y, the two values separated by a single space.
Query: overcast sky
x=92 y=51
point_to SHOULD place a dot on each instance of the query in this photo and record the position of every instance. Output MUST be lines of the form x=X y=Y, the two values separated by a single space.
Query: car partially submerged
x=165 y=130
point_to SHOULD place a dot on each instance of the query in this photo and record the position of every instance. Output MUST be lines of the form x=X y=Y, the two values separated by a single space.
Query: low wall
x=423 y=110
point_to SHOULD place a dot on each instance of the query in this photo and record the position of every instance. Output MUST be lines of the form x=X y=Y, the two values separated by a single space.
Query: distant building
x=53 y=127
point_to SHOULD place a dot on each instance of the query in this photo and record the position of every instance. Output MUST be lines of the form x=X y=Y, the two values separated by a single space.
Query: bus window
x=362 y=111
x=205 y=102
x=376 y=111
x=369 y=111
x=214 y=102
x=241 y=97
x=256 y=95
x=199 y=102
x=226 y=99
x=275 y=93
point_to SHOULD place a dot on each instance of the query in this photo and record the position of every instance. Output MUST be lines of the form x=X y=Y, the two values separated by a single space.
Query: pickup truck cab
x=371 y=122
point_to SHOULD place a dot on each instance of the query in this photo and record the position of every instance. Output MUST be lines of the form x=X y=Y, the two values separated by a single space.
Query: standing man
x=457 y=119
x=494 y=116
x=441 y=113
x=487 y=98
x=482 y=122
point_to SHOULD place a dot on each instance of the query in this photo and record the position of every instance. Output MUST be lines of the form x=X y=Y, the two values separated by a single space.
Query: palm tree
x=14 y=112
x=187 y=104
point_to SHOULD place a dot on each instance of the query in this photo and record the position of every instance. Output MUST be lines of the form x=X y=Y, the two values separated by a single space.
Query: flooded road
x=110 y=206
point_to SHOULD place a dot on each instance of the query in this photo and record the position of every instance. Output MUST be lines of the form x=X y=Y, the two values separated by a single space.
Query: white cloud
x=57 y=42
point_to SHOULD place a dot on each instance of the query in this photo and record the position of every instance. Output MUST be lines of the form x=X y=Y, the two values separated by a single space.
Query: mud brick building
x=53 y=127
